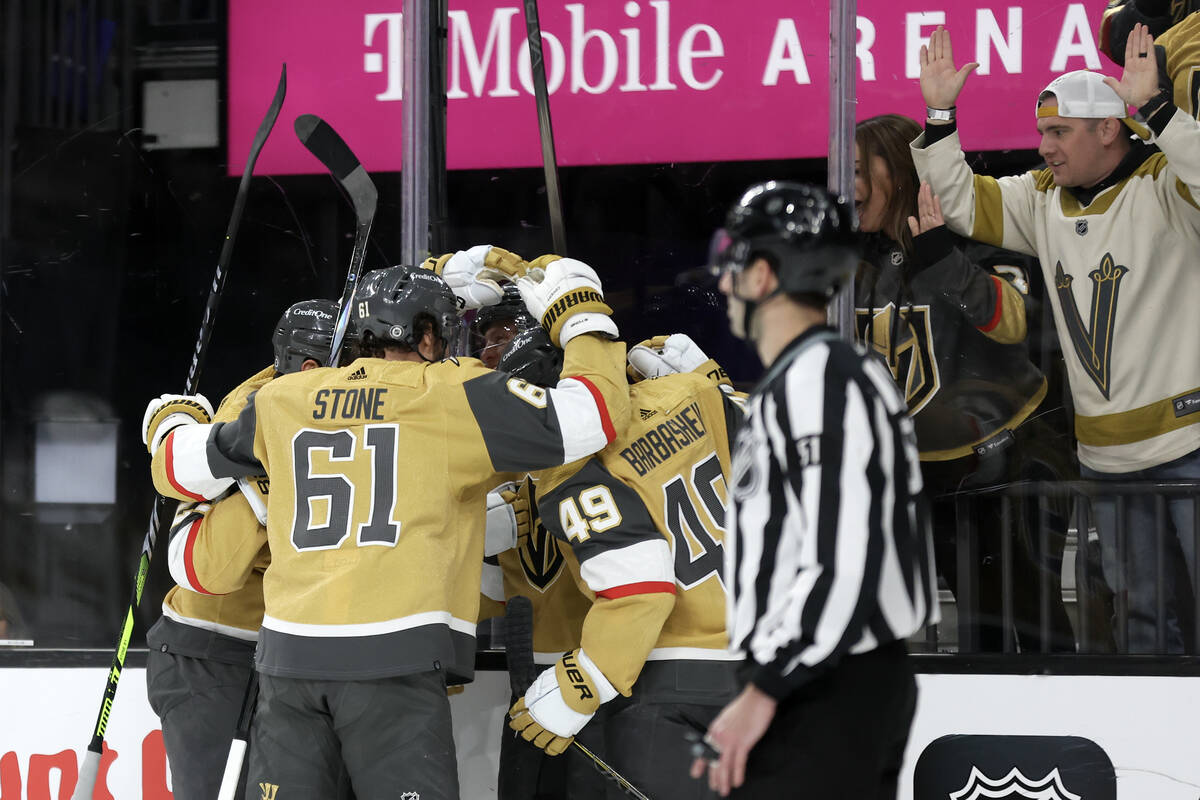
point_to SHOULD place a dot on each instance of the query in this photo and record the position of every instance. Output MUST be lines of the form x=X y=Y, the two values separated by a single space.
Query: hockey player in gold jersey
x=376 y=521
x=202 y=648
x=645 y=522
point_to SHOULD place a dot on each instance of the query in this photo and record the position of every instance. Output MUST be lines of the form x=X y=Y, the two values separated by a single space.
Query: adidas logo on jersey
x=647 y=413
x=359 y=374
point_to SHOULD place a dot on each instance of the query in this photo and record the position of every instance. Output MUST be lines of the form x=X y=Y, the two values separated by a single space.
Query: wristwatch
x=940 y=114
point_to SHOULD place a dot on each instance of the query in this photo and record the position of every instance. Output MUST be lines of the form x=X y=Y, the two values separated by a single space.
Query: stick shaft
x=541 y=93
x=162 y=507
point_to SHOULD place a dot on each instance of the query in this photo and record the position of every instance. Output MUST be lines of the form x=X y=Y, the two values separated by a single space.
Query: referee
x=828 y=563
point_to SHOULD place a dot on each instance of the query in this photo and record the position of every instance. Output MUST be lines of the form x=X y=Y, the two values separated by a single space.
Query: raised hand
x=929 y=212
x=941 y=83
x=1139 y=82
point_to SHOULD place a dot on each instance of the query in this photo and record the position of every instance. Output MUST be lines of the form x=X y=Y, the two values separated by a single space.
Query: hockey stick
x=537 y=68
x=518 y=650
x=329 y=148
x=161 y=509
x=231 y=780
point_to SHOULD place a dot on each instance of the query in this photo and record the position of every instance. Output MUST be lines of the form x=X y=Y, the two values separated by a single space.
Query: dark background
x=108 y=251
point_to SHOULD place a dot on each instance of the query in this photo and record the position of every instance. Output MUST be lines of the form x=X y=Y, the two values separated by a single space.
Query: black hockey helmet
x=304 y=331
x=509 y=311
x=533 y=358
x=806 y=232
x=390 y=303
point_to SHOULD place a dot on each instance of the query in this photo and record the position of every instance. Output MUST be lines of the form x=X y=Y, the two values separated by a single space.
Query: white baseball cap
x=1081 y=94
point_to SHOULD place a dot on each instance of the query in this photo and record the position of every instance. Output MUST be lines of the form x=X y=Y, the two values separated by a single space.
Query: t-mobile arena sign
x=639 y=81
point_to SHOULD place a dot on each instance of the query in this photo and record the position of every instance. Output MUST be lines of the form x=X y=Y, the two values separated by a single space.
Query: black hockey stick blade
x=162 y=507
x=332 y=151
x=541 y=94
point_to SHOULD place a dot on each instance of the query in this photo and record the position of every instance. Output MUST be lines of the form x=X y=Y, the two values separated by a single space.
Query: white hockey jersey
x=1122 y=278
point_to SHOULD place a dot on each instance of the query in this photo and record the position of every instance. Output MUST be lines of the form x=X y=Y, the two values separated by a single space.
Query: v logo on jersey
x=268 y=790
x=1093 y=345
x=905 y=340
x=541 y=560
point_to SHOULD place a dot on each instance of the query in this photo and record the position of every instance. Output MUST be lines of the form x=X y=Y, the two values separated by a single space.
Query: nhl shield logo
x=1081 y=227
x=982 y=767
x=1014 y=786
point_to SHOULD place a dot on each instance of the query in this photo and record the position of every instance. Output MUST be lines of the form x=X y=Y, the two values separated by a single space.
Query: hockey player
x=379 y=471
x=1114 y=223
x=828 y=559
x=645 y=522
x=493 y=327
x=202 y=648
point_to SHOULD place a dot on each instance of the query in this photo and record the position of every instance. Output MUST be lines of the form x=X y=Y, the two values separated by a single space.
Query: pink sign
x=640 y=81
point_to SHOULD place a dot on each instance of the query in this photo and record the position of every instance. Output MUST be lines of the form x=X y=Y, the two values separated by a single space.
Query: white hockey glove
x=566 y=296
x=665 y=355
x=474 y=274
x=507 y=520
x=167 y=412
x=560 y=702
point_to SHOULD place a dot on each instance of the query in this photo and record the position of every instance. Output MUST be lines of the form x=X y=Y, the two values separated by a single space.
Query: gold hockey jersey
x=379 y=472
x=235 y=611
x=645 y=519
x=1121 y=278
x=537 y=568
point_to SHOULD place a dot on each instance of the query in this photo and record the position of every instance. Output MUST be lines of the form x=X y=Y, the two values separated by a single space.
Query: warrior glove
x=166 y=413
x=566 y=296
x=560 y=702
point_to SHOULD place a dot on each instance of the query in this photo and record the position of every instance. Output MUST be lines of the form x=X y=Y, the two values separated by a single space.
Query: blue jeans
x=1138 y=579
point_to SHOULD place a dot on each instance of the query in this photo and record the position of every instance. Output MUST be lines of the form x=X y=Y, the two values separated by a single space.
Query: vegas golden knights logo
x=541 y=559
x=268 y=790
x=1093 y=342
x=905 y=341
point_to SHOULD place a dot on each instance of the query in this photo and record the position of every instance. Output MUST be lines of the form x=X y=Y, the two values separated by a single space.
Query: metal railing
x=1078 y=497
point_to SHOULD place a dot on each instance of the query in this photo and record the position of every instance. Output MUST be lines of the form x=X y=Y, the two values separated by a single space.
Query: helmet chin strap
x=750 y=306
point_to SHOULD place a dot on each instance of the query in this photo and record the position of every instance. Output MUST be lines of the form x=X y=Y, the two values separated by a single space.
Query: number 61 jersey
x=379 y=472
x=645 y=519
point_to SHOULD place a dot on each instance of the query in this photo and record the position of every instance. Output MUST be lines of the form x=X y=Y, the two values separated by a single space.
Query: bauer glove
x=560 y=702
x=167 y=412
x=565 y=295
x=474 y=274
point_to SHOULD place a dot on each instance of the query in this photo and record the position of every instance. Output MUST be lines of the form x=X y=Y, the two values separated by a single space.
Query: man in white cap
x=1115 y=222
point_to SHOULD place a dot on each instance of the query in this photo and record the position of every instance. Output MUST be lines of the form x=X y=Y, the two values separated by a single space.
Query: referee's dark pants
x=842 y=736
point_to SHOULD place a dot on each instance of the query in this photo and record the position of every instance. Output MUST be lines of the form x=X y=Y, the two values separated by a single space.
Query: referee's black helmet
x=805 y=233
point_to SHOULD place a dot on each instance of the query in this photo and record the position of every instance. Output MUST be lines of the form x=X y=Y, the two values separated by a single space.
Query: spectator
x=1114 y=222
x=953 y=334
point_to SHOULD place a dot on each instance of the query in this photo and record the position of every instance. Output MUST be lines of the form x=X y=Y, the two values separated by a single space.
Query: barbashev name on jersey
x=668 y=437
x=364 y=403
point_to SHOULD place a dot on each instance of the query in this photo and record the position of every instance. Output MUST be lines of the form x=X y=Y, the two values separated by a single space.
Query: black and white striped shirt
x=829 y=551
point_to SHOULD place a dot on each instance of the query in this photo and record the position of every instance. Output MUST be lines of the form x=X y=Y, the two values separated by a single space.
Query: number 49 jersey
x=645 y=519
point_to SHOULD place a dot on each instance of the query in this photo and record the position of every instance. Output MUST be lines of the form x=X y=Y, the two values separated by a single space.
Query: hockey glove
x=566 y=296
x=474 y=274
x=667 y=355
x=166 y=413
x=560 y=702
x=507 y=520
